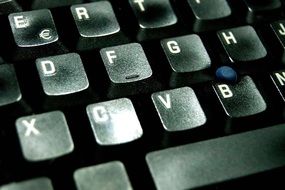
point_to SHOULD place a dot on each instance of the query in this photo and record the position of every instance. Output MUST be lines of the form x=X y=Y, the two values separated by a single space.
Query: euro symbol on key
x=45 y=34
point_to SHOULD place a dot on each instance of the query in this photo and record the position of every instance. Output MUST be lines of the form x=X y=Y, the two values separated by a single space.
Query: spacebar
x=213 y=161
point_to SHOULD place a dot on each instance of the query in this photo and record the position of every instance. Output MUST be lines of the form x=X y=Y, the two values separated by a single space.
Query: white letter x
x=31 y=128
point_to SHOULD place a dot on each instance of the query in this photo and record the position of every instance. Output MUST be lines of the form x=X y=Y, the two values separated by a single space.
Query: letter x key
x=44 y=136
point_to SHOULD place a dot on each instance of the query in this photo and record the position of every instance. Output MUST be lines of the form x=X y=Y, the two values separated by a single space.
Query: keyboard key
x=122 y=66
x=10 y=90
x=9 y=6
x=33 y=184
x=114 y=122
x=44 y=136
x=97 y=25
x=34 y=33
x=179 y=109
x=186 y=53
x=40 y=4
x=111 y=175
x=154 y=18
x=278 y=29
x=62 y=74
x=218 y=17
x=278 y=79
x=218 y=160
x=126 y=64
x=242 y=105
x=242 y=44
x=241 y=99
x=187 y=56
x=262 y=10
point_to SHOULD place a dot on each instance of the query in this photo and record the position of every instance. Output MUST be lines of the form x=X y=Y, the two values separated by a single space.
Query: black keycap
x=179 y=109
x=210 y=14
x=111 y=175
x=97 y=25
x=126 y=65
x=242 y=44
x=40 y=4
x=278 y=28
x=33 y=184
x=155 y=18
x=35 y=34
x=114 y=122
x=44 y=136
x=257 y=10
x=218 y=160
x=278 y=78
x=188 y=59
x=9 y=6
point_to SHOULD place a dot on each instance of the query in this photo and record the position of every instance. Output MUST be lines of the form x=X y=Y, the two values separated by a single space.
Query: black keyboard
x=142 y=94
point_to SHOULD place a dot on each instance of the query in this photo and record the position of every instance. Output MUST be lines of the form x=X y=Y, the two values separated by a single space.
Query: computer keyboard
x=142 y=94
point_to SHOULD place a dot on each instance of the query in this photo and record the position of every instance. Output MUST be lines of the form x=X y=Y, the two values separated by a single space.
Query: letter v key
x=166 y=102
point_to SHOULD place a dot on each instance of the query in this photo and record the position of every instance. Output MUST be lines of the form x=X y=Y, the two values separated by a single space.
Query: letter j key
x=278 y=28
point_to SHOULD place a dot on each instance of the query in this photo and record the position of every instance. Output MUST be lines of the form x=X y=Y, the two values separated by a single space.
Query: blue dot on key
x=226 y=74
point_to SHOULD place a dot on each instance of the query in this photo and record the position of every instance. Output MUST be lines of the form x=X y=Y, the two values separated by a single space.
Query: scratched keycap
x=44 y=136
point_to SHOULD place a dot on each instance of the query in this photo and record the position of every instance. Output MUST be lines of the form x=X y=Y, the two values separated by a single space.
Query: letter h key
x=242 y=44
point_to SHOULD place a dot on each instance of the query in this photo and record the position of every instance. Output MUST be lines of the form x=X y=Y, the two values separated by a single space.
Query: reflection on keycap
x=114 y=122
